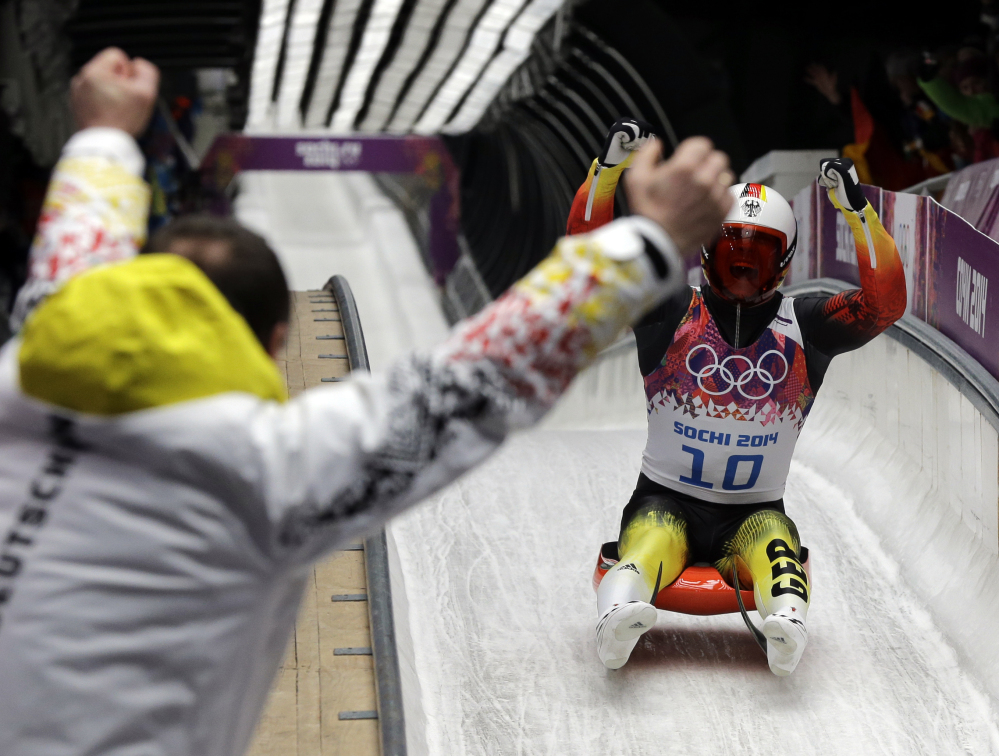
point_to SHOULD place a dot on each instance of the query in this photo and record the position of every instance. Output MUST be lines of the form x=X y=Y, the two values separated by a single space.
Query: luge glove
x=624 y=137
x=840 y=175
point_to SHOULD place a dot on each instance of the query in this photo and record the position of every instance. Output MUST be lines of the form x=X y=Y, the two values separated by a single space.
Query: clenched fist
x=116 y=91
x=840 y=175
x=687 y=195
x=623 y=138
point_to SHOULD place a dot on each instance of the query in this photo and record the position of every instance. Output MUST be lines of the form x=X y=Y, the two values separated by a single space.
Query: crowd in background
x=172 y=179
x=23 y=178
x=941 y=112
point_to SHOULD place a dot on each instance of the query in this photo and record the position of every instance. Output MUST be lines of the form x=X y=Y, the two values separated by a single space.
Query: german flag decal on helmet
x=757 y=191
x=750 y=257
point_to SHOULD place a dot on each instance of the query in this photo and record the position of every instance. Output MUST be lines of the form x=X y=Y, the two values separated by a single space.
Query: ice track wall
x=908 y=426
x=934 y=404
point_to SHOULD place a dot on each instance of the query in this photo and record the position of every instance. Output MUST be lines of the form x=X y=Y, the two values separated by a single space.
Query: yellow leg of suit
x=653 y=550
x=766 y=548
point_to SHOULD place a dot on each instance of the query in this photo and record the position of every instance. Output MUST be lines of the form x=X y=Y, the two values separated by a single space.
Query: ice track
x=504 y=629
x=496 y=614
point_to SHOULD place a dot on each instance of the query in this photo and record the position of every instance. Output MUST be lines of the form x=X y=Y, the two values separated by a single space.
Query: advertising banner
x=803 y=264
x=949 y=264
x=972 y=194
x=961 y=262
x=900 y=215
x=422 y=156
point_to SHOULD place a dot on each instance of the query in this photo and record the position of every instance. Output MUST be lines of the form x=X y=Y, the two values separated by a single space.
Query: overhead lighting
x=335 y=48
x=516 y=48
x=376 y=37
x=265 y=59
x=480 y=49
x=297 y=56
x=425 y=18
x=447 y=50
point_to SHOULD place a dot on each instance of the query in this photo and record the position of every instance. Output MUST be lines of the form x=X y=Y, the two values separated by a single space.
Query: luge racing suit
x=724 y=417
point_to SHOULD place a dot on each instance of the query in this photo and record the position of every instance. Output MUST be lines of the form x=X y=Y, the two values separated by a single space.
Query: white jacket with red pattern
x=161 y=506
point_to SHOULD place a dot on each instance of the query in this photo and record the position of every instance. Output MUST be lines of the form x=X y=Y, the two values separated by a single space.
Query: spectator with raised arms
x=162 y=501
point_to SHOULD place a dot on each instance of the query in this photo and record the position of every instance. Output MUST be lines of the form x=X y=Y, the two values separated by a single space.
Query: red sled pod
x=700 y=589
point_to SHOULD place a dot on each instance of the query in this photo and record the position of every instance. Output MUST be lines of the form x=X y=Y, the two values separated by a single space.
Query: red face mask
x=744 y=264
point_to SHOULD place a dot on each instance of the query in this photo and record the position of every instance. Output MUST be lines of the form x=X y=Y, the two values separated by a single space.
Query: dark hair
x=248 y=273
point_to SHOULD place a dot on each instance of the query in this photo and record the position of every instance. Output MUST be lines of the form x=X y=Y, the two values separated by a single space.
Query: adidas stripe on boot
x=620 y=628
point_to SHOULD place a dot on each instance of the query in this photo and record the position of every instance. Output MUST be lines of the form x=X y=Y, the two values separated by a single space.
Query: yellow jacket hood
x=147 y=333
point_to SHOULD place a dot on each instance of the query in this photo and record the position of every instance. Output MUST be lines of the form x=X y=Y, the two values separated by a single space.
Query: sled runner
x=700 y=589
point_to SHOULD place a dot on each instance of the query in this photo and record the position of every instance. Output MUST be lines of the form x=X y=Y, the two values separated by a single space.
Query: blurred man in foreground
x=161 y=501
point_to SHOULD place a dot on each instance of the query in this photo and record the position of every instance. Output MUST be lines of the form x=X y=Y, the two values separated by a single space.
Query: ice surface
x=502 y=614
x=325 y=223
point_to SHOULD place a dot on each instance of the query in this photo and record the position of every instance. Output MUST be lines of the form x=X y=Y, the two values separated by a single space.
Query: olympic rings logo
x=724 y=369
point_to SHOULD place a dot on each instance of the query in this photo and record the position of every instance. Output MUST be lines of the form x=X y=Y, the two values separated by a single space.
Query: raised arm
x=852 y=318
x=343 y=460
x=97 y=204
x=593 y=205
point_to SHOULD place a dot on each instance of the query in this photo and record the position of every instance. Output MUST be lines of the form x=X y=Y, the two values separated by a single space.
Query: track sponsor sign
x=425 y=157
x=951 y=268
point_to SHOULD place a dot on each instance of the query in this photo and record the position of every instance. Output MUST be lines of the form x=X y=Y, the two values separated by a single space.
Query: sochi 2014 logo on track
x=736 y=372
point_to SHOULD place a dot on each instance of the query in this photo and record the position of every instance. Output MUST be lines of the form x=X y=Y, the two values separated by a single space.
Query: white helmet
x=751 y=256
